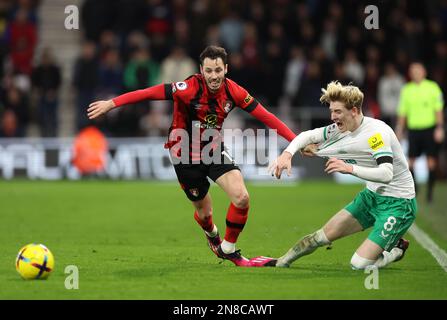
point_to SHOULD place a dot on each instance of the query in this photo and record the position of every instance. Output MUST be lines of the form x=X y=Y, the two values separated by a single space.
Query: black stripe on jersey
x=385 y=159
x=229 y=96
x=195 y=101
x=212 y=103
x=168 y=91
x=252 y=106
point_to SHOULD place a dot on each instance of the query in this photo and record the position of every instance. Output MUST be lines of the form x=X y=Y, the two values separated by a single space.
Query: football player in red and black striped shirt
x=201 y=103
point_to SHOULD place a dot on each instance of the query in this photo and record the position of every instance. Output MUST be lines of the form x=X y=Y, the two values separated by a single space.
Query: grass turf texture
x=138 y=240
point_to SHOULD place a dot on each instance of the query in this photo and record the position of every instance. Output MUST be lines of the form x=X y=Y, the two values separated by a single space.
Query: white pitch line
x=428 y=244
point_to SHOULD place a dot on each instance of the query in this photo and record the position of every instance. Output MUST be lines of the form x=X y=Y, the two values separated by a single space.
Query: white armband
x=383 y=173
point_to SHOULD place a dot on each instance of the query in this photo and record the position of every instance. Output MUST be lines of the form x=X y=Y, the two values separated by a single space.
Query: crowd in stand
x=281 y=51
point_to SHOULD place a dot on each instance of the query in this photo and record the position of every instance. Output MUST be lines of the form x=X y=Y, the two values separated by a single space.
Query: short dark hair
x=213 y=52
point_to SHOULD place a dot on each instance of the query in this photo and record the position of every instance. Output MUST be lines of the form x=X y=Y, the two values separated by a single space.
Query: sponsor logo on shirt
x=376 y=142
x=211 y=120
x=248 y=98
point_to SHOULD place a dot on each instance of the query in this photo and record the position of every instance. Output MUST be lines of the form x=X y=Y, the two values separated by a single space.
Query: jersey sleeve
x=242 y=98
x=379 y=145
x=182 y=90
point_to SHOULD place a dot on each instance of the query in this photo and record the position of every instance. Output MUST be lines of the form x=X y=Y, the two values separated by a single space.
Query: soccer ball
x=34 y=261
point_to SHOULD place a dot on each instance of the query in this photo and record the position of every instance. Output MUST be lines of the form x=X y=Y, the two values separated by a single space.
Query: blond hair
x=350 y=95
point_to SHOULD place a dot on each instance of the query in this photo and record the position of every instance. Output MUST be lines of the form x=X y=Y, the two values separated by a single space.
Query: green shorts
x=391 y=217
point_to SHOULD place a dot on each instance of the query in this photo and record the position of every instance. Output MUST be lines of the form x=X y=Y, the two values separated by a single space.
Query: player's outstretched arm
x=158 y=92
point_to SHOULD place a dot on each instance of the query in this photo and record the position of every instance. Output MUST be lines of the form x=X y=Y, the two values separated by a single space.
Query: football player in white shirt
x=366 y=148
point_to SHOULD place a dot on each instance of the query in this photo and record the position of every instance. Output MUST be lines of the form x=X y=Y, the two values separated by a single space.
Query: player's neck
x=357 y=122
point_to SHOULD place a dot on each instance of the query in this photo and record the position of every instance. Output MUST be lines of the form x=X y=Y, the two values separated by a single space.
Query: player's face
x=213 y=70
x=417 y=72
x=342 y=117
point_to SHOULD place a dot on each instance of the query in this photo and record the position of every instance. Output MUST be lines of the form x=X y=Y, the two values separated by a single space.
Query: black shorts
x=422 y=142
x=193 y=177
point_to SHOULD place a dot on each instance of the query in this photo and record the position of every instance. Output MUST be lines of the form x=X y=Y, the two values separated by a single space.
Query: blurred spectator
x=90 y=149
x=158 y=27
x=310 y=89
x=86 y=81
x=371 y=106
x=231 y=31
x=22 y=42
x=8 y=125
x=108 y=41
x=135 y=41
x=110 y=75
x=410 y=40
x=46 y=79
x=4 y=14
x=294 y=73
x=141 y=71
x=250 y=47
x=388 y=93
x=237 y=70
x=182 y=35
x=329 y=37
x=177 y=66
x=274 y=72
x=353 y=68
x=17 y=104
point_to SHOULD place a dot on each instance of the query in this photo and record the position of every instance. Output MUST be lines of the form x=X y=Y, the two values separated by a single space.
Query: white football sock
x=305 y=246
x=228 y=247
x=213 y=233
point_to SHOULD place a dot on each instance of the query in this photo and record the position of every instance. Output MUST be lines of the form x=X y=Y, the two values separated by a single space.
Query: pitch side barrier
x=146 y=158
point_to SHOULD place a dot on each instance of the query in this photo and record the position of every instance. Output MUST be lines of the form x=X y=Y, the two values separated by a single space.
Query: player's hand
x=98 y=108
x=284 y=161
x=337 y=165
x=310 y=150
x=439 y=134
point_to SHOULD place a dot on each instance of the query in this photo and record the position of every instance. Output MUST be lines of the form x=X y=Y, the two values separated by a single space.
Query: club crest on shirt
x=376 y=141
x=173 y=88
x=228 y=106
x=194 y=192
x=181 y=85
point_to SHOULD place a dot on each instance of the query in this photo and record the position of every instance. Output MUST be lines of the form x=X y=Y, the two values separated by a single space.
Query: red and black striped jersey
x=195 y=107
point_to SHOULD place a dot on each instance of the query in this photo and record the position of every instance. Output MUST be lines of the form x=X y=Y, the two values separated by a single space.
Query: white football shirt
x=372 y=140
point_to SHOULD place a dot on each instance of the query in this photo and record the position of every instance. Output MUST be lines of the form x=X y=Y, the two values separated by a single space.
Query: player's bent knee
x=242 y=200
x=360 y=263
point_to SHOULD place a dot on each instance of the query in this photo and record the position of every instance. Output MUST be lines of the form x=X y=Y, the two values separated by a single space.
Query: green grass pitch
x=138 y=240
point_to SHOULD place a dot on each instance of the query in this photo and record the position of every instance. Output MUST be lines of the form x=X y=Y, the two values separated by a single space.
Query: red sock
x=206 y=224
x=236 y=218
